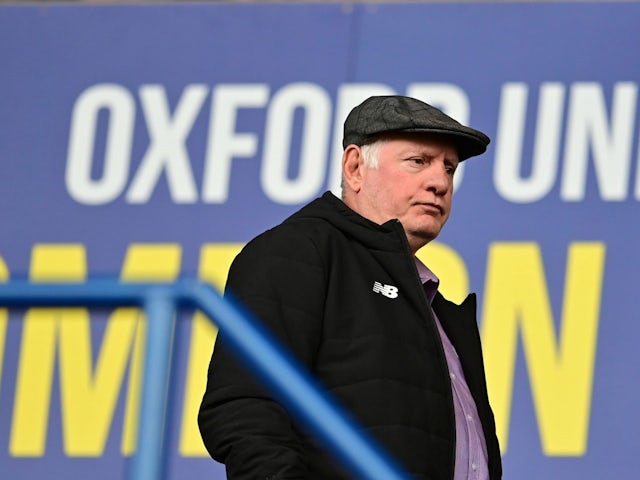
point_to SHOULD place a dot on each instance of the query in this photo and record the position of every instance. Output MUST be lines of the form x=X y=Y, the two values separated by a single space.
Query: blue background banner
x=151 y=141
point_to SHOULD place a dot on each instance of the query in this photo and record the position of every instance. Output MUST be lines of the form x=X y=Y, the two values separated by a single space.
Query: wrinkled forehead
x=421 y=143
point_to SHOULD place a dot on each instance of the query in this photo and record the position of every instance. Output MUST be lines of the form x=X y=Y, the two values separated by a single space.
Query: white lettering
x=167 y=151
x=530 y=155
x=120 y=105
x=511 y=129
x=314 y=145
x=224 y=143
x=611 y=147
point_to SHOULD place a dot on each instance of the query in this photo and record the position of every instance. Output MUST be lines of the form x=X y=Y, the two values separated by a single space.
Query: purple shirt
x=471 y=448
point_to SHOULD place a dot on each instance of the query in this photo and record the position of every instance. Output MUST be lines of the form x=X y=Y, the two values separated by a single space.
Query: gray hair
x=370 y=155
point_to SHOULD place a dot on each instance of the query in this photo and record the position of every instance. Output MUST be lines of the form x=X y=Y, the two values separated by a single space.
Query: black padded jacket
x=311 y=281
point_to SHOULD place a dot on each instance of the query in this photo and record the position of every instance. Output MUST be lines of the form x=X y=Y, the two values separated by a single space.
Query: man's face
x=413 y=183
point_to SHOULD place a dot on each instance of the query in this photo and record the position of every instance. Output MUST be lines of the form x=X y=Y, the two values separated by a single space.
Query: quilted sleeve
x=279 y=278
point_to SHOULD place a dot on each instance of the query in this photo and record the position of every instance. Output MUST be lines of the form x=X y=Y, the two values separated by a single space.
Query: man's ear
x=353 y=167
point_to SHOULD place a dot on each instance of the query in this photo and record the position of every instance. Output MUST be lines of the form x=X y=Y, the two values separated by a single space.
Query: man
x=339 y=284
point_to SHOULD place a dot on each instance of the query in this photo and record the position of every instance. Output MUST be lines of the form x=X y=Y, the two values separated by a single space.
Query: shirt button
x=452 y=375
x=474 y=466
x=469 y=417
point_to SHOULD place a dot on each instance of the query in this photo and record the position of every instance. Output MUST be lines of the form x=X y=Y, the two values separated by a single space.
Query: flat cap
x=396 y=113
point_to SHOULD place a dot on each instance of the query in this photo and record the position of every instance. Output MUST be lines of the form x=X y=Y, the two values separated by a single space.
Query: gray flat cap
x=395 y=113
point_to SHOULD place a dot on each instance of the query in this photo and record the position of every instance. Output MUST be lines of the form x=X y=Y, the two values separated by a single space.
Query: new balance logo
x=387 y=290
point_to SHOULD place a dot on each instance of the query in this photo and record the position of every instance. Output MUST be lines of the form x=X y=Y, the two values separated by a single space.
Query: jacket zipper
x=430 y=321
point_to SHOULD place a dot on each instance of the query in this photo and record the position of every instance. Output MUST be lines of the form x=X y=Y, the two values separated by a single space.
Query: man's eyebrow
x=419 y=152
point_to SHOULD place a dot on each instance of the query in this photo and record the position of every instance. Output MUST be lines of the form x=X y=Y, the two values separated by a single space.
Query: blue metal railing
x=280 y=373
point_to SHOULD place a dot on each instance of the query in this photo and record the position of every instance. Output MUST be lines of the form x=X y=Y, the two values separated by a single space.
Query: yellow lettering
x=561 y=371
x=445 y=262
x=88 y=397
x=4 y=271
x=4 y=316
x=35 y=370
x=214 y=266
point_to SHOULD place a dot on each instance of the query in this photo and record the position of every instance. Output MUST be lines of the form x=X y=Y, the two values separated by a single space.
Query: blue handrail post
x=147 y=463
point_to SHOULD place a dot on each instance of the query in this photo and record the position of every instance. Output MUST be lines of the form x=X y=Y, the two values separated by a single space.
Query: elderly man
x=338 y=282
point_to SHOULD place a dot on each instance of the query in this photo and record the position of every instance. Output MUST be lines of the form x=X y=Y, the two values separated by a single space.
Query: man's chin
x=420 y=238
x=428 y=232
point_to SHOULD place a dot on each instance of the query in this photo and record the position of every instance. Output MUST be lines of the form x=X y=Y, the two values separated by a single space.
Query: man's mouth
x=434 y=207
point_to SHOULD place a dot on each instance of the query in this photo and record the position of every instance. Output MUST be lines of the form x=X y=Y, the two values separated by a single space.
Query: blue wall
x=151 y=142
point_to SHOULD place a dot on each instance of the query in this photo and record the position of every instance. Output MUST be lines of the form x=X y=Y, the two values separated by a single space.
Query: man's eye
x=450 y=169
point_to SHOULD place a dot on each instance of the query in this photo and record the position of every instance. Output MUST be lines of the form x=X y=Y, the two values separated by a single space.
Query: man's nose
x=437 y=179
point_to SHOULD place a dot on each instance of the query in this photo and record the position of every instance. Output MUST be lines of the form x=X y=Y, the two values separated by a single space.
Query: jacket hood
x=388 y=236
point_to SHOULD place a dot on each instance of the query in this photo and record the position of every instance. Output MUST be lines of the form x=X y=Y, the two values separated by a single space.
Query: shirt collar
x=428 y=279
